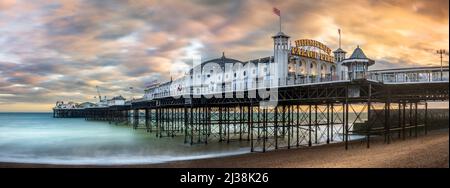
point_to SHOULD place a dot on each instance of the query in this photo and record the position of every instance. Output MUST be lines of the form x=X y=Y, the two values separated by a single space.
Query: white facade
x=116 y=101
x=62 y=105
x=228 y=75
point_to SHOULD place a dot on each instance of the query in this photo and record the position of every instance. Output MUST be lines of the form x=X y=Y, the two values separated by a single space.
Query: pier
x=305 y=114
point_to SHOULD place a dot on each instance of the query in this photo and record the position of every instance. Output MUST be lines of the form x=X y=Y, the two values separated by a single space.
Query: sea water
x=40 y=138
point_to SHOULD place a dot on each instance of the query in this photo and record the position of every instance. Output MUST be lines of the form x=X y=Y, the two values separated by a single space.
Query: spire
x=223 y=54
x=358 y=54
x=339 y=30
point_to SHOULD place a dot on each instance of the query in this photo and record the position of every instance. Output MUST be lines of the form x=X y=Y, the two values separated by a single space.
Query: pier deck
x=303 y=115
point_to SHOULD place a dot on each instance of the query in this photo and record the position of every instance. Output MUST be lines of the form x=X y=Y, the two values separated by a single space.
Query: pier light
x=442 y=52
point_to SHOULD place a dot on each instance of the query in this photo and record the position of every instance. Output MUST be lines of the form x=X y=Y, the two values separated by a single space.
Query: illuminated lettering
x=300 y=51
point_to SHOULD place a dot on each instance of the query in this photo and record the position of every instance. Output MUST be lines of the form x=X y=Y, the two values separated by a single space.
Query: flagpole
x=278 y=13
x=280 y=22
x=339 y=38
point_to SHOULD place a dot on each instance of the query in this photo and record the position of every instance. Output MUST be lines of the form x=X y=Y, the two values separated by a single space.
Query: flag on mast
x=276 y=11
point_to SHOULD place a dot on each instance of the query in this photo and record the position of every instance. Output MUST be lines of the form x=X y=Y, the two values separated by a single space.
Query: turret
x=358 y=64
x=281 y=53
x=339 y=56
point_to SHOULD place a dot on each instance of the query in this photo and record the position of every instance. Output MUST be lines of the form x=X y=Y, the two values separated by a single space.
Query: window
x=211 y=71
x=359 y=67
x=208 y=75
x=254 y=71
x=265 y=69
x=235 y=75
x=245 y=73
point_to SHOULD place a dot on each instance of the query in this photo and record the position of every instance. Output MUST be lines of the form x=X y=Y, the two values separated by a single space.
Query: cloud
x=60 y=50
x=6 y=4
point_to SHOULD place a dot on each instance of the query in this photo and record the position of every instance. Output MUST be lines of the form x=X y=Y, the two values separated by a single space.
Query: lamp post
x=131 y=93
x=442 y=52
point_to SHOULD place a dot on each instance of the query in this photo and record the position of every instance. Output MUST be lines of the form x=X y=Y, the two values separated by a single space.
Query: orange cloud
x=5 y=4
x=65 y=48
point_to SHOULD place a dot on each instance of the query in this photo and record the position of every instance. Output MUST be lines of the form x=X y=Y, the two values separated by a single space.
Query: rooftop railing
x=410 y=75
x=388 y=76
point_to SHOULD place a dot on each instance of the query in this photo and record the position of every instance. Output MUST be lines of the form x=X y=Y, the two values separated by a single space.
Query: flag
x=276 y=11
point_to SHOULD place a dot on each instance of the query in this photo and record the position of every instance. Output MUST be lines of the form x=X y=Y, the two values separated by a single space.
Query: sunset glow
x=61 y=50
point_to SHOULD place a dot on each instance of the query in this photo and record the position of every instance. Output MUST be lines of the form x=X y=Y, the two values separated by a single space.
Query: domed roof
x=358 y=54
x=281 y=34
x=339 y=50
x=221 y=61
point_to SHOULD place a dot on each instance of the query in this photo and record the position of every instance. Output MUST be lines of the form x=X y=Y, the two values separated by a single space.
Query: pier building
x=321 y=96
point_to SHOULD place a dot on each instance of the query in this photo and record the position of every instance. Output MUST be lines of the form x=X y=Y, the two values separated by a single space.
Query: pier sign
x=312 y=49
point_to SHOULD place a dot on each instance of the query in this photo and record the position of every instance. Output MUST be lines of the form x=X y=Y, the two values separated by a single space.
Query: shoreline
x=425 y=151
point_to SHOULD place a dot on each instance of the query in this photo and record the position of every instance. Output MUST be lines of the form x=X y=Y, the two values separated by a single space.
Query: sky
x=61 y=50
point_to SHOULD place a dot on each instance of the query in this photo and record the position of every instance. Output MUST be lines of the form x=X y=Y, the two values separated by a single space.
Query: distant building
x=69 y=105
x=118 y=100
x=86 y=105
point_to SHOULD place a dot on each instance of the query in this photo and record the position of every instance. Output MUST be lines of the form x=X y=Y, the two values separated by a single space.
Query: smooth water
x=40 y=138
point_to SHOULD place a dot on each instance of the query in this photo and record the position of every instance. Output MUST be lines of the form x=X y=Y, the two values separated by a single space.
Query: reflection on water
x=39 y=138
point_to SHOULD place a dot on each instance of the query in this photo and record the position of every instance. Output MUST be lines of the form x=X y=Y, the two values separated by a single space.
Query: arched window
x=332 y=69
x=313 y=68
x=323 y=69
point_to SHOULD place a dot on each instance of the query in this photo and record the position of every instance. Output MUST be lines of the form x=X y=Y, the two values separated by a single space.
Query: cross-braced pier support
x=303 y=116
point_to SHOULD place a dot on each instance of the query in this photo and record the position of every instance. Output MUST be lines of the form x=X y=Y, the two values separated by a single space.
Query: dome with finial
x=358 y=54
x=222 y=61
